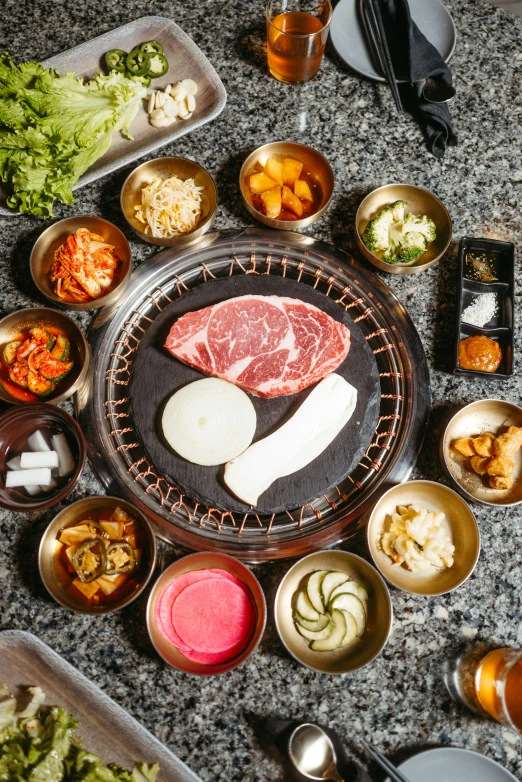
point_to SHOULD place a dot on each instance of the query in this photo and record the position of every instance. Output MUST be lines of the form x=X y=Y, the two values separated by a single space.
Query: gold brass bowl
x=11 y=325
x=314 y=163
x=203 y=561
x=460 y=523
x=164 y=168
x=380 y=613
x=53 y=574
x=42 y=257
x=420 y=202
x=486 y=415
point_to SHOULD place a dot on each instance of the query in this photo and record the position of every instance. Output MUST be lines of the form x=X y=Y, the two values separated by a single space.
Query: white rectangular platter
x=186 y=61
x=106 y=729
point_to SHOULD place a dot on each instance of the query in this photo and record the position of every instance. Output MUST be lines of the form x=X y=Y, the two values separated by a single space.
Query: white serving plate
x=106 y=729
x=451 y=764
x=186 y=60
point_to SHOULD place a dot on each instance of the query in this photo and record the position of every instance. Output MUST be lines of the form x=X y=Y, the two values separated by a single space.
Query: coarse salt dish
x=481 y=310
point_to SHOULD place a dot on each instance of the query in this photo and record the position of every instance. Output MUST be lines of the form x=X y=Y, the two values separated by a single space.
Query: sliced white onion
x=209 y=422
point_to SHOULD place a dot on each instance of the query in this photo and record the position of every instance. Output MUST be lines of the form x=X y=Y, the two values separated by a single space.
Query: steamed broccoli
x=403 y=237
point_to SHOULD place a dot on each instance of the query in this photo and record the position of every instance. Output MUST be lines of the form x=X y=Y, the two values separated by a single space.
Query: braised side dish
x=284 y=190
x=85 y=267
x=102 y=556
x=37 y=360
x=492 y=456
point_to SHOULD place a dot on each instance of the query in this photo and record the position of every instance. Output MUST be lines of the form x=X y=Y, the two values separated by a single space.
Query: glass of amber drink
x=296 y=36
x=490 y=682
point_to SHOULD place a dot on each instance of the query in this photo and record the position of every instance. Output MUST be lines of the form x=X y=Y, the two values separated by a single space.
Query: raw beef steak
x=268 y=345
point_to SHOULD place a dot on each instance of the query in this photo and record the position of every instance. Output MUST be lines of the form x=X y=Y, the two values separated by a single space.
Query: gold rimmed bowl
x=360 y=652
x=420 y=202
x=23 y=320
x=314 y=164
x=164 y=168
x=204 y=561
x=460 y=524
x=57 y=579
x=485 y=415
x=42 y=258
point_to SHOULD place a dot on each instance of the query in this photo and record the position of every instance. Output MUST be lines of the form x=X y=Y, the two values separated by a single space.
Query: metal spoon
x=437 y=91
x=312 y=753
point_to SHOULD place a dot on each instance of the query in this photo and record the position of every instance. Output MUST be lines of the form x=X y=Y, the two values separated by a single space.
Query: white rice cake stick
x=30 y=460
x=15 y=478
x=37 y=442
x=65 y=458
x=311 y=429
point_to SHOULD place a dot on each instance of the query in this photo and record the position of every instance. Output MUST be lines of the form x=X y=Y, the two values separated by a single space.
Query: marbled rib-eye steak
x=267 y=345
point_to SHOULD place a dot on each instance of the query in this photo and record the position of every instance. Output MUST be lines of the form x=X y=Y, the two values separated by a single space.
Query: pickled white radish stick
x=65 y=457
x=14 y=464
x=25 y=478
x=299 y=441
x=30 y=460
x=37 y=442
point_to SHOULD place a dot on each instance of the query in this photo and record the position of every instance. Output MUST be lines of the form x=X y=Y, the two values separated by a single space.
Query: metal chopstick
x=386 y=764
x=379 y=38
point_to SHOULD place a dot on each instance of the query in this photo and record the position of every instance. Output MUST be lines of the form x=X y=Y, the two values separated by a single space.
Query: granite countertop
x=217 y=725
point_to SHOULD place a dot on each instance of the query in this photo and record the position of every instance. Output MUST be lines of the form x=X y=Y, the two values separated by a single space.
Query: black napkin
x=414 y=58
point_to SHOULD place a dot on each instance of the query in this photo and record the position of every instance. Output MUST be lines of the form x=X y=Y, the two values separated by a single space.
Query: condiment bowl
x=485 y=415
x=420 y=202
x=42 y=258
x=54 y=575
x=316 y=166
x=460 y=524
x=203 y=561
x=29 y=318
x=360 y=652
x=164 y=168
x=16 y=425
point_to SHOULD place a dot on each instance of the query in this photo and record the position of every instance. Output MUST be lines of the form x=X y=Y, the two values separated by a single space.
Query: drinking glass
x=296 y=36
x=489 y=682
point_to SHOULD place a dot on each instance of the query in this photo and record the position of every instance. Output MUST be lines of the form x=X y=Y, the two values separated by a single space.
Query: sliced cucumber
x=18 y=374
x=350 y=588
x=335 y=638
x=329 y=582
x=304 y=607
x=353 y=605
x=313 y=589
x=10 y=350
x=351 y=628
x=39 y=385
x=61 y=348
x=316 y=635
x=52 y=369
x=320 y=624
x=43 y=337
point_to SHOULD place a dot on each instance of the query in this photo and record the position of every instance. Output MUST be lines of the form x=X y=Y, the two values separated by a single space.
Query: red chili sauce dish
x=103 y=557
x=38 y=362
x=207 y=615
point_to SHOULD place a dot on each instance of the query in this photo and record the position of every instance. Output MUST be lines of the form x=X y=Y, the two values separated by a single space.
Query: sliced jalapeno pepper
x=145 y=80
x=152 y=47
x=115 y=60
x=137 y=62
x=158 y=65
x=120 y=558
x=90 y=560
x=93 y=526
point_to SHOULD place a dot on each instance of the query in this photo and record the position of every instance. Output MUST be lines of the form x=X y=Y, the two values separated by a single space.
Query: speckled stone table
x=218 y=725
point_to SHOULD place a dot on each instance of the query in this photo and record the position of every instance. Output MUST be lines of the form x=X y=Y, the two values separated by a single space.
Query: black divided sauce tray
x=500 y=261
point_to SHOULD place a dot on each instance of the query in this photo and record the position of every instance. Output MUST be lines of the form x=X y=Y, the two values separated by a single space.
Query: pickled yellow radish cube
x=291 y=202
x=261 y=182
x=291 y=171
x=302 y=190
x=89 y=590
x=274 y=169
x=272 y=201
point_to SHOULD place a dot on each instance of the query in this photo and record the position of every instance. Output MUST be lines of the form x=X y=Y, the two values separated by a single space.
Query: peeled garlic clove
x=170 y=108
x=178 y=92
x=171 y=120
x=160 y=99
x=182 y=110
x=188 y=116
x=157 y=114
x=190 y=86
x=150 y=107
x=191 y=102
x=161 y=122
x=168 y=88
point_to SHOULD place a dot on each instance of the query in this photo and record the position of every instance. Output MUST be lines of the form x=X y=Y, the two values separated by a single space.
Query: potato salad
x=416 y=538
